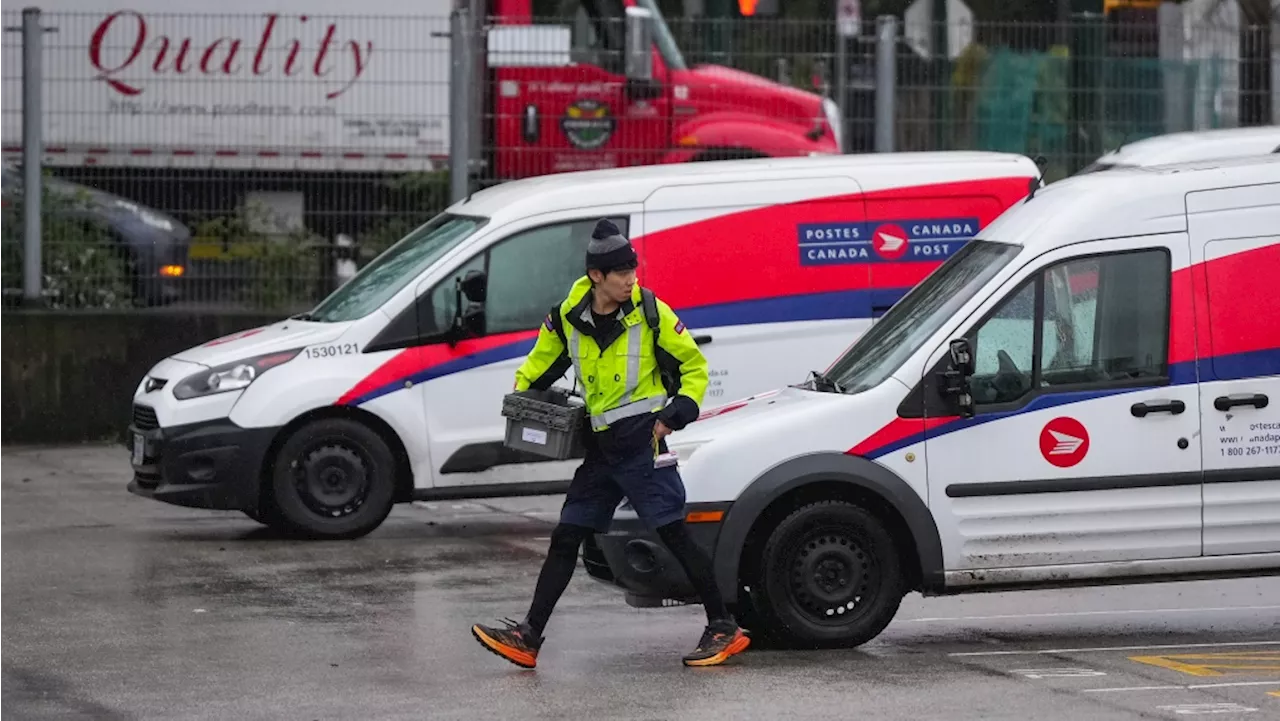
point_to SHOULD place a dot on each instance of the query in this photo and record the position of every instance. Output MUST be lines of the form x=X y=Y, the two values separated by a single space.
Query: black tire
x=333 y=479
x=829 y=576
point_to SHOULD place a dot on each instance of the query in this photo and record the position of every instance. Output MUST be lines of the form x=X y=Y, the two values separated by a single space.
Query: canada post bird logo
x=883 y=241
x=587 y=124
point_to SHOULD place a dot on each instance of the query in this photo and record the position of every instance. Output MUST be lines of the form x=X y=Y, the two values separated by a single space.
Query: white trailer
x=320 y=85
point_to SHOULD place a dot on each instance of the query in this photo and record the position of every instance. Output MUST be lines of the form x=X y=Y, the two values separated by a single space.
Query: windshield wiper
x=302 y=316
x=822 y=383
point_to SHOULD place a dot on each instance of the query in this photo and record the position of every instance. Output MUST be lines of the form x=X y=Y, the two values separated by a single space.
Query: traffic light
x=747 y=7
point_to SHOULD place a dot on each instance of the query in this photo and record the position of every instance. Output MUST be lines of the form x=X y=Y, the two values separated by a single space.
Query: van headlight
x=832 y=111
x=231 y=376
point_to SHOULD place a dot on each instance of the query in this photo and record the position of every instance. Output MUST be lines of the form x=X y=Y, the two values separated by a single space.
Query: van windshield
x=914 y=319
x=395 y=268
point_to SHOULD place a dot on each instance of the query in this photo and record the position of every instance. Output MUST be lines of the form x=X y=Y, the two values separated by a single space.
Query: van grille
x=144 y=418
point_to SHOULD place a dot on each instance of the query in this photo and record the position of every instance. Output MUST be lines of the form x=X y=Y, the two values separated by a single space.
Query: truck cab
x=613 y=89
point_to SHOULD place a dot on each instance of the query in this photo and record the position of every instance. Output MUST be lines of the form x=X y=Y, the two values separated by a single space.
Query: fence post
x=886 y=80
x=1087 y=111
x=459 y=103
x=32 y=153
x=1275 y=68
x=1169 y=20
x=842 y=86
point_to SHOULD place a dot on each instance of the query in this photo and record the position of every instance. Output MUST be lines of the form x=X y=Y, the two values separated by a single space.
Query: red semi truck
x=157 y=99
x=615 y=90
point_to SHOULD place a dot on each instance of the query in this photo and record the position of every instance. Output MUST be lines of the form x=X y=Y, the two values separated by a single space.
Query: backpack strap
x=557 y=324
x=650 y=305
x=668 y=369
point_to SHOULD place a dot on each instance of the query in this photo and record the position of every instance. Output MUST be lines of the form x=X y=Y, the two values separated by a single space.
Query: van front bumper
x=213 y=464
x=634 y=560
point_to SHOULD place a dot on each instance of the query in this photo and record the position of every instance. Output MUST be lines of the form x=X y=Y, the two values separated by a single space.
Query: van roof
x=1126 y=201
x=1193 y=145
x=584 y=189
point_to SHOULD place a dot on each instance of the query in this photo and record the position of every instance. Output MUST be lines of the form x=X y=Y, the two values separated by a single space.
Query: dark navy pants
x=598 y=486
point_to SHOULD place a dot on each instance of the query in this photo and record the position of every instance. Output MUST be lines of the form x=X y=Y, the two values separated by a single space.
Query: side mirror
x=639 y=45
x=474 y=285
x=962 y=356
x=469 y=318
x=955 y=379
x=471 y=322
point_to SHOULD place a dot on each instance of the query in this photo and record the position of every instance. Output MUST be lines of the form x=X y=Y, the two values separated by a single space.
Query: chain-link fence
x=255 y=161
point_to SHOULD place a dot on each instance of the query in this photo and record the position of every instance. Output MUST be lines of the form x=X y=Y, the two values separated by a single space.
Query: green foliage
x=271 y=267
x=414 y=199
x=82 y=265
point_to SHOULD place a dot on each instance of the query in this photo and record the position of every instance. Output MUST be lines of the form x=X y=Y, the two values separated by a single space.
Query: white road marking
x=1127 y=611
x=1203 y=708
x=1114 y=648
x=1058 y=672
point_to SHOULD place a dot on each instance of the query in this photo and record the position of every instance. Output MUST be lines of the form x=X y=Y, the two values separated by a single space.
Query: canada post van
x=1190 y=146
x=391 y=388
x=1086 y=393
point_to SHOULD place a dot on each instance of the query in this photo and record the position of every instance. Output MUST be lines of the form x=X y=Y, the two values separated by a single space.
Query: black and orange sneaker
x=517 y=642
x=720 y=640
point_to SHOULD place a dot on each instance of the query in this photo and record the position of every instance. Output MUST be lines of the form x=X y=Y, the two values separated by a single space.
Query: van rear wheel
x=334 y=479
x=830 y=576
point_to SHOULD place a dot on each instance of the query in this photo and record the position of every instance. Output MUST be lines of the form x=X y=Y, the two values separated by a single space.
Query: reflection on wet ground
x=115 y=607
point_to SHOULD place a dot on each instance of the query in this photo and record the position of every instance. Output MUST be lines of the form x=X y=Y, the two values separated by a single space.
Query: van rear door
x=770 y=275
x=1235 y=236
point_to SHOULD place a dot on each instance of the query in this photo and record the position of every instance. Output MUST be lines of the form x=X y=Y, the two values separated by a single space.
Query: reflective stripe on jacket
x=622 y=380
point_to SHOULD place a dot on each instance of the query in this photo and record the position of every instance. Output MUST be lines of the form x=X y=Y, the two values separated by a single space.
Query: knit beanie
x=609 y=250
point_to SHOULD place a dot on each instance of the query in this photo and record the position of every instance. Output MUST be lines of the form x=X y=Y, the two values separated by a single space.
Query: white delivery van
x=1190 y=146
x=391 y=389
x=1087 y=393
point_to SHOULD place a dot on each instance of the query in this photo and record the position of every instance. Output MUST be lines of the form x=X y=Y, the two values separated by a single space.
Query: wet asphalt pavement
x=115 y=607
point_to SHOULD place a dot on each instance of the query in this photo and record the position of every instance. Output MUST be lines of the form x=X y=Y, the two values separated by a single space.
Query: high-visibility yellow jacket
x=623 y=379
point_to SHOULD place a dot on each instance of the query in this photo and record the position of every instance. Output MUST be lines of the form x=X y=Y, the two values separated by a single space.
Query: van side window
x=1004 y=349
x=442 y=305
x=528 y=273
x=1109 y=319
x=1101 y=320
x=532 y=271
x=596 y=28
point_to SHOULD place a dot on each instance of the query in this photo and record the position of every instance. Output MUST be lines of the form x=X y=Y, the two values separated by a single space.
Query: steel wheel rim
x=333 y=480
x=830 y=577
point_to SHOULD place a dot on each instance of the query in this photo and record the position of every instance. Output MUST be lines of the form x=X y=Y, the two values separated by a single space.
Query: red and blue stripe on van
x=761 y=270
x=1242 y=340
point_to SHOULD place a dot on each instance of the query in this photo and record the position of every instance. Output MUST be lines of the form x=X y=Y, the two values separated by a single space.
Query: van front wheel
x=334 y=478
x=830 y=576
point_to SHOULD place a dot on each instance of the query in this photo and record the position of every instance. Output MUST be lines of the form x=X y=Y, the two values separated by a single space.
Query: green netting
x=1021 y=101
x=1006 y=99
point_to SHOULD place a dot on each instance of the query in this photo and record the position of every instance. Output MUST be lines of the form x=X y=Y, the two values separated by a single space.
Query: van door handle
x=1174 y=407
x=1226 y=403
x=702 y=339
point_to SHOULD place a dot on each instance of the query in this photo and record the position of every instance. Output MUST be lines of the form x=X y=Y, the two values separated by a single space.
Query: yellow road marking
x=1274 y=693
x=1266 y=663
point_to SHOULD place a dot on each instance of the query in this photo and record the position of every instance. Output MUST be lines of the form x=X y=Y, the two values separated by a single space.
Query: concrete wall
x=70 y=377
